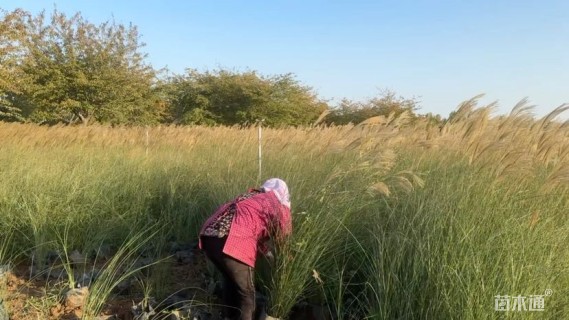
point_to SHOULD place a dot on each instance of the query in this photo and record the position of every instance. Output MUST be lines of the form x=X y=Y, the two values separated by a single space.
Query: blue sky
x=441 y=52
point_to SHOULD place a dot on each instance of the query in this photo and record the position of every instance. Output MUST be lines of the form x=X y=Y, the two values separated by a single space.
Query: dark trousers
x=238 y=285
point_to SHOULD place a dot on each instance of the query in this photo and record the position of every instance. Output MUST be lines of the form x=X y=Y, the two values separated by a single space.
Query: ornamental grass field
x=392 y=219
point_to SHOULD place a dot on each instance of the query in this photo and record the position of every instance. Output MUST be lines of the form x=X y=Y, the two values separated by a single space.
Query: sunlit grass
x=390 y=221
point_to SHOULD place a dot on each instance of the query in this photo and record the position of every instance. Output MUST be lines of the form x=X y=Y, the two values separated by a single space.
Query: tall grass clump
x=488 y=222
x=118 y=269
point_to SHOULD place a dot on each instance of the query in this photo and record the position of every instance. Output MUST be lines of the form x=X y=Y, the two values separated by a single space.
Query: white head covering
x=279 y=188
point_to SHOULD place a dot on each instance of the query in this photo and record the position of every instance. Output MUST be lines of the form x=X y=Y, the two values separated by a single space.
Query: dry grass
x=430 y=197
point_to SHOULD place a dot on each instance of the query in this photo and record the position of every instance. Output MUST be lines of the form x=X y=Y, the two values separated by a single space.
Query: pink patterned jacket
x=256 y=220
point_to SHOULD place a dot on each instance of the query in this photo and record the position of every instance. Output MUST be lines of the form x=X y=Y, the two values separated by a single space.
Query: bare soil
x=27 y=297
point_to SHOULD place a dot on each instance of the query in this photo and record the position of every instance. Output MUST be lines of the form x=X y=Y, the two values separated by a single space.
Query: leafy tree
x=11 y=30
x=287 y=102
x=349 y=111
x=227 y=97
x=79 y=72
x=383 y=105
x=433 y=120
x=8 y=112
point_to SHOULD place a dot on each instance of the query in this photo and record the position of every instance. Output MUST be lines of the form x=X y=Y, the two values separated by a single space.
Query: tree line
x=63 y=69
